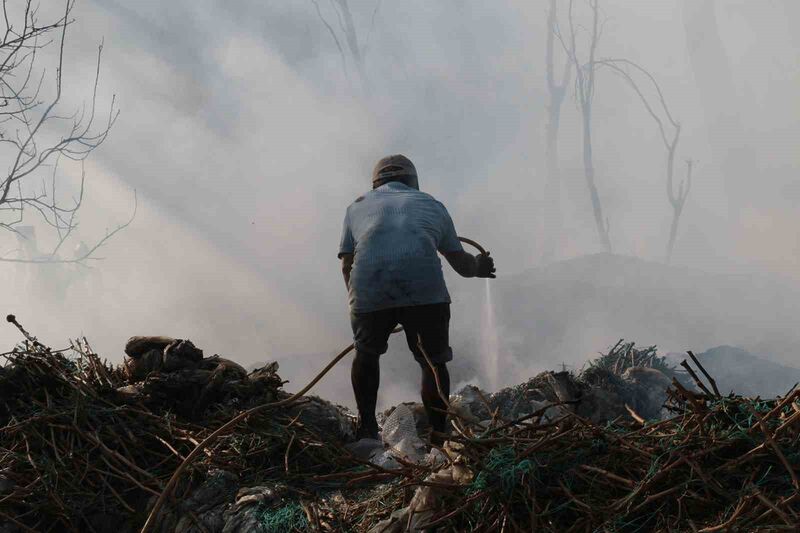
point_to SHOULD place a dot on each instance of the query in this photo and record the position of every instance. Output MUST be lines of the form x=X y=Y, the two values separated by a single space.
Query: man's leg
x=365 y=376
x=430 y=324
x=435 y=407
x=370 y=333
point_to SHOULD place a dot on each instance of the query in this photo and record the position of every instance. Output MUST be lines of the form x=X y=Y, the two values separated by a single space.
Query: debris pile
x=626 y=355
x=626 y=383
x=86 y=447
x=89 y=447
x=736 y=369
x=720 y=463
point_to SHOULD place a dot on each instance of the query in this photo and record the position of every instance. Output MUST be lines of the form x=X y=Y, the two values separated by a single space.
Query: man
x=389 y=246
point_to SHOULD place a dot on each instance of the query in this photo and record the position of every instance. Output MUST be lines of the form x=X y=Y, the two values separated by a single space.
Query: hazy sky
x=245 y=140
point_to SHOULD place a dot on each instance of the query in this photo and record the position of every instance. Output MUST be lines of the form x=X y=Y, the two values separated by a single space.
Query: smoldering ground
x=246 y=133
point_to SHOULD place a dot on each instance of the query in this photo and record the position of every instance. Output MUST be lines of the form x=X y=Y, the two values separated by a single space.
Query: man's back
x=395 y=232
x=390 y=265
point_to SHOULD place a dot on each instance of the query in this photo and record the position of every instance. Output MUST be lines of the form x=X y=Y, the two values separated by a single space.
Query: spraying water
x=490 y=343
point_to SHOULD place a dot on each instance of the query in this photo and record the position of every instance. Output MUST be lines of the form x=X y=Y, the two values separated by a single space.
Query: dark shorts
x=371 y=330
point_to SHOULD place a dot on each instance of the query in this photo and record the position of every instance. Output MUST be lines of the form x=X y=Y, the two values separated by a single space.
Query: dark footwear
x=438 y=438
x=367 y=431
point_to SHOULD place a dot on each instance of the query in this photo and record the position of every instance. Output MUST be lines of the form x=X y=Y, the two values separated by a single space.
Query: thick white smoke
x=245 y=140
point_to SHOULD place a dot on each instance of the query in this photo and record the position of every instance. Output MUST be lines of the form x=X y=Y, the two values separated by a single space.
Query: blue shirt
x=394 y=232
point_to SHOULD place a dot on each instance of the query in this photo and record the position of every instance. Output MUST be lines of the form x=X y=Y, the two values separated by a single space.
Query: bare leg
x=434 y=405
x=365 y=376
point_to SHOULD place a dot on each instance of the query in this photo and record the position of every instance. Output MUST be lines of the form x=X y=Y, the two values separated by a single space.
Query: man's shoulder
x=360 y=198
x=433 y=200
x=421 y=196
x=381 y=196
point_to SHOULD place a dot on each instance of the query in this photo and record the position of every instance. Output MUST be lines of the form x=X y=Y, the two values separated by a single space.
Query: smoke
x=245 y=140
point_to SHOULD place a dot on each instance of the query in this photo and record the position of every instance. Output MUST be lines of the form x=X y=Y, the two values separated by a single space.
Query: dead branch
x=30 y=119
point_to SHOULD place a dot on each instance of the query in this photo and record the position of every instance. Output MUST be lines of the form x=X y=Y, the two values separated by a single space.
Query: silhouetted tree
x=556 y=91
x=727 y=134
x=354 y=48
x=677 y=200
x=35 y=135
x=669 y=129
x=584 y=92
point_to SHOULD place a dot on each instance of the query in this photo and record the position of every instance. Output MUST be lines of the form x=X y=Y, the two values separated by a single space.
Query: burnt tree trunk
x=677 y=201
x=351 y=37
x=554 y=223
x=588 y=170
x=585 y=79
x=722 y=106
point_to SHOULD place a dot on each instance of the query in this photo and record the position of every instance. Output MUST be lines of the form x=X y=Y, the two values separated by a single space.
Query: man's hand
x=471 y=266
x=484 y=266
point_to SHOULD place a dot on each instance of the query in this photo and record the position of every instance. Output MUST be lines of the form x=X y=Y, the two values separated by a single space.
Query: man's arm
x=466 y=264
x=347 y=248
x=471 y=266
x=347 y=266
x=462 y=262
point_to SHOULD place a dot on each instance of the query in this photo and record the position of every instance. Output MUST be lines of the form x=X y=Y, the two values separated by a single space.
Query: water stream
x=489 y=343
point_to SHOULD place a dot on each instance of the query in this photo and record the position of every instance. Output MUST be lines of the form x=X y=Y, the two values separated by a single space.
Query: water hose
x=170 y=486
x=477 y=246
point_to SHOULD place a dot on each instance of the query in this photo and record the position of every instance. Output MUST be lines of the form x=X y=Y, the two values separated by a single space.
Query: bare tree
x=355 y=50
x=723 y=103
x=677 y=200
x=584 y=92
x=670 y=131
x=36 y=137
x=556 y=91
